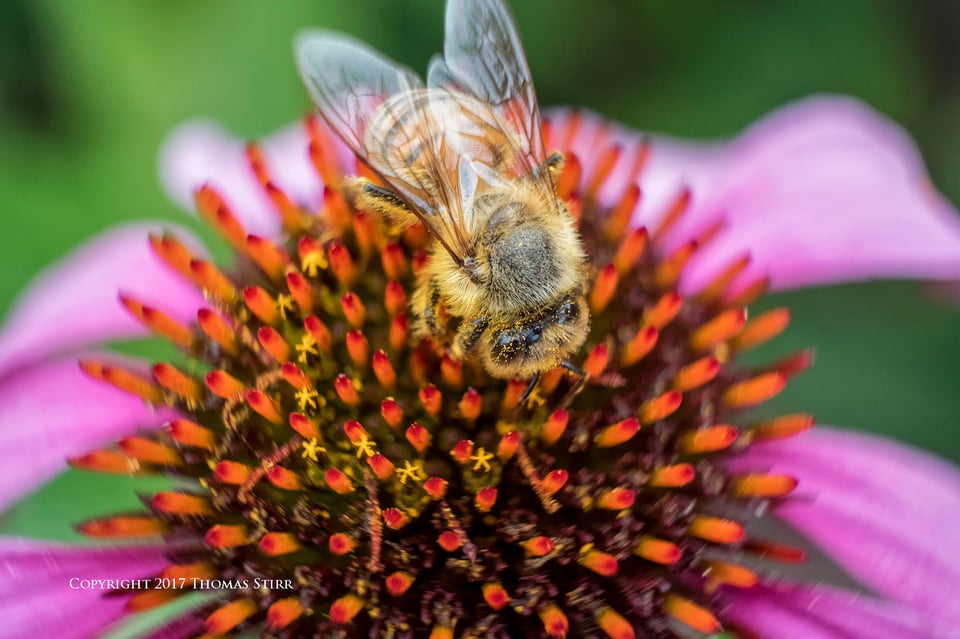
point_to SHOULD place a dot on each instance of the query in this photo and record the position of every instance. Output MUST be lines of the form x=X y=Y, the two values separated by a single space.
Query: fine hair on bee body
x=464 y=156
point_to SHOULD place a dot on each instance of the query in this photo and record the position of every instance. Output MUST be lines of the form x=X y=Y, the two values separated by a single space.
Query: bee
x=464 y=155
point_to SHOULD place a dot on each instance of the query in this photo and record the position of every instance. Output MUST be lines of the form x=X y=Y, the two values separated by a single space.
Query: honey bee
x=464 y=155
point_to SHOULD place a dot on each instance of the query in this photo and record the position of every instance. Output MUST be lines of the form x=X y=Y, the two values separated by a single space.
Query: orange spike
x=723 y=573
x=538 y=546
x=399 y=582
x=721 y=531
x=283 y=612
x=696 y=374
x=420 y=258
x=383 y=369
x=321 y=146
x=555 y=426
x=395 y=518
x=188 y=433
x=432 y=399
x=416 y=237
x=554 y=622
x=341 y=544
x=441 y=632
x=448 y=540
x=690 y=614
x=603 y=167
x=708 y=440
x=365 y=232
x=391 y=412
x=495 y=595
x=792 y=364
x=436 y=487
x=276 y=544
x=616 y=499
x=393 y=260
x=554 y=481
x=200 y=570
x=262 y=304
x=485 y=499
x=176 y=381
x=174 y=503
x=673 y=476
x=232 y=473
x=306 y=427
x=451 y=370
x=336 y=211
x=229 y=616
x=301 y=290
x=346 y=390
x=462 y=451
x=569 y=178
x=150 y=452
x=616 y=434
x=668 y=271
x=660 y=407
x=294 y=376
x=603 y=288
x=165 y=326
x=639 y=345
x=715 y=289
x=264 y=406
x=418 y=437
x=550 y=379
x=748 y=294
x=618 y=221
x=345 y=609
x=514 y=391
x=470 y=405
x=226 y=536
x=122 y=527
x=213 y=281
x=675 y=210
x=394 y=298
x=284 y=479
x=599 y=562
x=507 y=447
x=274 y=344
x=614 y=625
x=755 y=390
x=342 y=264
x=223 y=384
x=664 y=310
x=124 y=380
x=630 y=250
x=358 y=348
x=776 y=552
x=574 y=207
x=382 y=467
x=337 y=481
x=271 y=259
x=353 y=309
x=398 y=332
x=657 y=550
x=150 y=599
x=214 y=211
x=721 y=328
x=217 y=329
x=762 y=485
x=173 y=253
x=105 y=461
x=781 y=427
x=597 y=360
x=290 y=213
x=319 y=332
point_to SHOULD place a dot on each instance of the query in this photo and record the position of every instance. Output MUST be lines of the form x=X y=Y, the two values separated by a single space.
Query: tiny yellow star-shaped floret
x=312 y=262
x=410 y=471
x=312 y=448
x=285 y=305
x=482 y=459
x=364 y=446
x=307 y=346
x=307 y=398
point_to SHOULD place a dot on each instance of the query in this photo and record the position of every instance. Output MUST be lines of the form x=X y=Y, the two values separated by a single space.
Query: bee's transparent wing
x=483 y=58
x=379 y=109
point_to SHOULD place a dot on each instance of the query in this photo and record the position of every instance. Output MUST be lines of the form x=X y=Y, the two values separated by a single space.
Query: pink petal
x=887 y=514
x=201 y=152
x=36 y=597
x=822 y=191
x=74 y=302
x=812 y=612
x=53 y=411
x=185 y=627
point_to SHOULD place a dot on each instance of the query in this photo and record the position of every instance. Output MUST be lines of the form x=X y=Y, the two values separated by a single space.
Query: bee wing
x=407 y=136
x=483 y=57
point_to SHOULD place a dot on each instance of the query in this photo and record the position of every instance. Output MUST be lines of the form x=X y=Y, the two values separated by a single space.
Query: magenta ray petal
x=201 y=152
x=74 y=302
x=186 y=627
x=817 y=612
x=53 y=411
x=887 y=514
x=36 y=597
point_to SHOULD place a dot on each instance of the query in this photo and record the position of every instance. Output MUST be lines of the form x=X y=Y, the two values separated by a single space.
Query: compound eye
x=568 y=312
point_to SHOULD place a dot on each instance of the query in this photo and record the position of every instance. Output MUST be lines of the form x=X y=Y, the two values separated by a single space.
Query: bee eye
x=568 y=312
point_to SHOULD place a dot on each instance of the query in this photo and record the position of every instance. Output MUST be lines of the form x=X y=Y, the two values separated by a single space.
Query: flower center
x=351 y=480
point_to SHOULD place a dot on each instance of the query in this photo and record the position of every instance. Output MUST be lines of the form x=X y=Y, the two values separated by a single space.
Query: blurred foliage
x=88 y=90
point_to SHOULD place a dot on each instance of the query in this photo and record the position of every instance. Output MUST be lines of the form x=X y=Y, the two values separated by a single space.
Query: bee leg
x=577 y=386
x=555 y=163
x=468 y=335
x=367 y=196
x=526 y=394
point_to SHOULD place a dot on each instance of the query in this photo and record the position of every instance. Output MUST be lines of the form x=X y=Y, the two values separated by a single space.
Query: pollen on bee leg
x=755 y=390
x=229 y=616
x=124 y=380
x=663 y=311
x=358 y=348
x=432 y=399
x=301 y=290
x=619 y=218
x=342 y=264
x=187 y=433
x=630 y=249
x=667 y=272
x=283 y=612
x=675 y=210
x=276 y=544
x=150 y=452
x=603 y=288
x=213 y=281
x=696 y=374
x=105 y=461
x=391 y=412
x=725 y=326
x=691 y=614
x=569 y=177
x=215 y=212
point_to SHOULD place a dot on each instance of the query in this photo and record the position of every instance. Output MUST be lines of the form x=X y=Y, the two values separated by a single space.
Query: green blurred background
x=88 y=90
